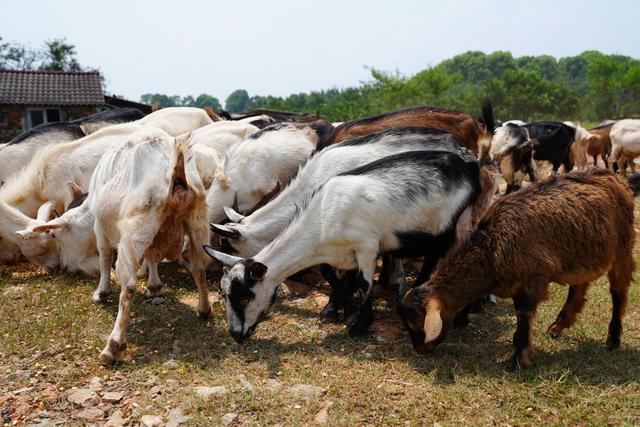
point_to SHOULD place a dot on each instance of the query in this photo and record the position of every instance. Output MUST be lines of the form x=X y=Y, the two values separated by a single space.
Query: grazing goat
x=178 y=120
x=511 y=151
x=600 y=143
x=59 y=174
x=475 y=135
x=246 y=236
x=145 y=196
x=552 y=142
x=568 y=229
x=407 y=205
x=578 y=152
x=253 y=170
x=625 y=144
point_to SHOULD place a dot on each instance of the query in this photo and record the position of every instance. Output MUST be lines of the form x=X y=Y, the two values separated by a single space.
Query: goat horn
x=235 y=202
x=403 y=289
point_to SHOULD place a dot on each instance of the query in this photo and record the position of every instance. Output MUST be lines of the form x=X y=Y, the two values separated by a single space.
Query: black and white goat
x=407 y=205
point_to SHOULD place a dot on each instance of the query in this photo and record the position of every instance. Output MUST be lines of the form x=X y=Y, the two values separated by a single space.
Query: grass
x=51 y=335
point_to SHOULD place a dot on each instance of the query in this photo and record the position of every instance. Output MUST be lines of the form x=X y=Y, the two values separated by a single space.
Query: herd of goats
x=267 y=198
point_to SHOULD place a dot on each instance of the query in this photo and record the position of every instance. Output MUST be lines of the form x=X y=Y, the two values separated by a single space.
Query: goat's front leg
x=106 y=260
x=337 y=296
x=154 y=284
x=367 y=263
x=126 y=268
x=525 y=305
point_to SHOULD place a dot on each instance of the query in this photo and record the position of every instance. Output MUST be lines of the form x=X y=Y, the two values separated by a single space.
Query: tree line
x=591 y=86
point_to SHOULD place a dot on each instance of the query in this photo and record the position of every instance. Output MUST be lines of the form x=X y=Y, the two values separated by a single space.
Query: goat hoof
x=613 y=343
x=329 y=313
x=360 y=326
x=99 y=297
x=555 y=330
x=521 y=361
x=204 y=314
x=112 y=353
x=154 y=292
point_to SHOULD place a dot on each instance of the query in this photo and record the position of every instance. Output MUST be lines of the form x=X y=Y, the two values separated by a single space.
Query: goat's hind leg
x=572 y=307
x=106 y=259
x=619 y=281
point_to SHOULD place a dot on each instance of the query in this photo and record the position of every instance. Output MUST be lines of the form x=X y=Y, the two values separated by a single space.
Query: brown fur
x=465 y=128
x=569 y=229
x=601 y=144
x=212 y=114
x=167 y=244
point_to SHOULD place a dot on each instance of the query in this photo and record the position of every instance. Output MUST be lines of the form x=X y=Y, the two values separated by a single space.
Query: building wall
x=11 y=117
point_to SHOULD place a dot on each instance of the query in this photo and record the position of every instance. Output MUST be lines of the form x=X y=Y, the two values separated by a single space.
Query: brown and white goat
x=569 y=229
x=600 y=143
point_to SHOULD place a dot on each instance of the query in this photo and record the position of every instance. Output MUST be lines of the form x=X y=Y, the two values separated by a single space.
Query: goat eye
x=245 y=301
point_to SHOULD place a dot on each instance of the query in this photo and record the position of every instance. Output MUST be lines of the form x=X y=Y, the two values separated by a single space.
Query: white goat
x=253 y=168
x=177 y=120
x=625 y=144
x=402 y=204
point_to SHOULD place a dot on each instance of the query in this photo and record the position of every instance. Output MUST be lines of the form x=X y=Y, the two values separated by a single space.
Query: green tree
x=59 y=56
x=204 y=100
x=238 y=101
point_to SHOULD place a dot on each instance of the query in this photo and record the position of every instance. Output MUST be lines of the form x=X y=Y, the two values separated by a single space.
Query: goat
x=625 y=144
x=516 y=251
x=511 y=151
x=253 y=170
x=145 y=212
x=178 y=120
x=97 y=121
x=59 y=173
x=248 y=235
x=475 y=135
x=600 y=143
x=578 y=151
x=407 y=204
x=552 y=142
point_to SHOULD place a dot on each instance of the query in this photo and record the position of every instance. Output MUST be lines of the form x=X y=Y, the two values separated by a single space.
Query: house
x=30 y=98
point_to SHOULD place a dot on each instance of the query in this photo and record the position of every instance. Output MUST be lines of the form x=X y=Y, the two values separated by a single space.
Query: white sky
x=281 y=47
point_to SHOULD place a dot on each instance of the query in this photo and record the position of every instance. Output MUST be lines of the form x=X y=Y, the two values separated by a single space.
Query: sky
x=280 y=47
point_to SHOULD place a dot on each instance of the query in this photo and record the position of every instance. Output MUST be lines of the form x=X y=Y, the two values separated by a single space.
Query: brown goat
x=600 y=143
x=568 y=229
x=471 y=133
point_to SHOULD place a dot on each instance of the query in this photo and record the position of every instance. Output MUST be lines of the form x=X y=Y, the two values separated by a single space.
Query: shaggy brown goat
x=568 y=229
x=472 y=133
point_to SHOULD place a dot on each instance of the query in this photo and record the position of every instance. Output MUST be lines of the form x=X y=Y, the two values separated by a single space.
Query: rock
x=176 y=417
x=247 y=385
x=155 y=390
x=308 y=391
x=152 y=380
x=322 y=417
x=207 y=392
x=170 y=364
x=91 y=414
x=229 y=418
x=273 y=384
x=112 y=397
x=116 y=419
x=82 y=397
x=95 y=384
x=151 y=421
x=157 y=300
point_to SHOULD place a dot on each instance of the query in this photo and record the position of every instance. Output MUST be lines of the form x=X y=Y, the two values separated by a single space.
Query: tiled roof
x=50 y=88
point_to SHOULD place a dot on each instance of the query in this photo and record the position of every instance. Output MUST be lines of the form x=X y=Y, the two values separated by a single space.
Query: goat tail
x=634 y=183
x=488 y=117
x=212 y=114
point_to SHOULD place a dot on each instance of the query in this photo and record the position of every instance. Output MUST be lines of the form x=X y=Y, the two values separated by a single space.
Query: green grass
x=51 y=335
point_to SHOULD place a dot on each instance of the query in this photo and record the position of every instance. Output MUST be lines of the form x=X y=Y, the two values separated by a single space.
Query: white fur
x=177 y=120
x=260 y=228
x=625 y=143
x=253 y=168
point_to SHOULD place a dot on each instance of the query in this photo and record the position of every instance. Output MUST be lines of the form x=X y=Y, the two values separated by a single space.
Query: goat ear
x=46 y=211
x=233 y=215
x=22 y=234
x=225 y=259
x=257 y=271
x=225 y=231
x=432 y=321
x=46 y=227
x=75 y=189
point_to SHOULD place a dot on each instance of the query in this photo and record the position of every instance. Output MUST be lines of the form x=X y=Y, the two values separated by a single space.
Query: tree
x=60 y=56
x=204 y=100
x=238 y=101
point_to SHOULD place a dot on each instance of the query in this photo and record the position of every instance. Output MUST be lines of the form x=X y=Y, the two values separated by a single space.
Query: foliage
x=203 y=100
x=55 y=55
x=238 y=101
